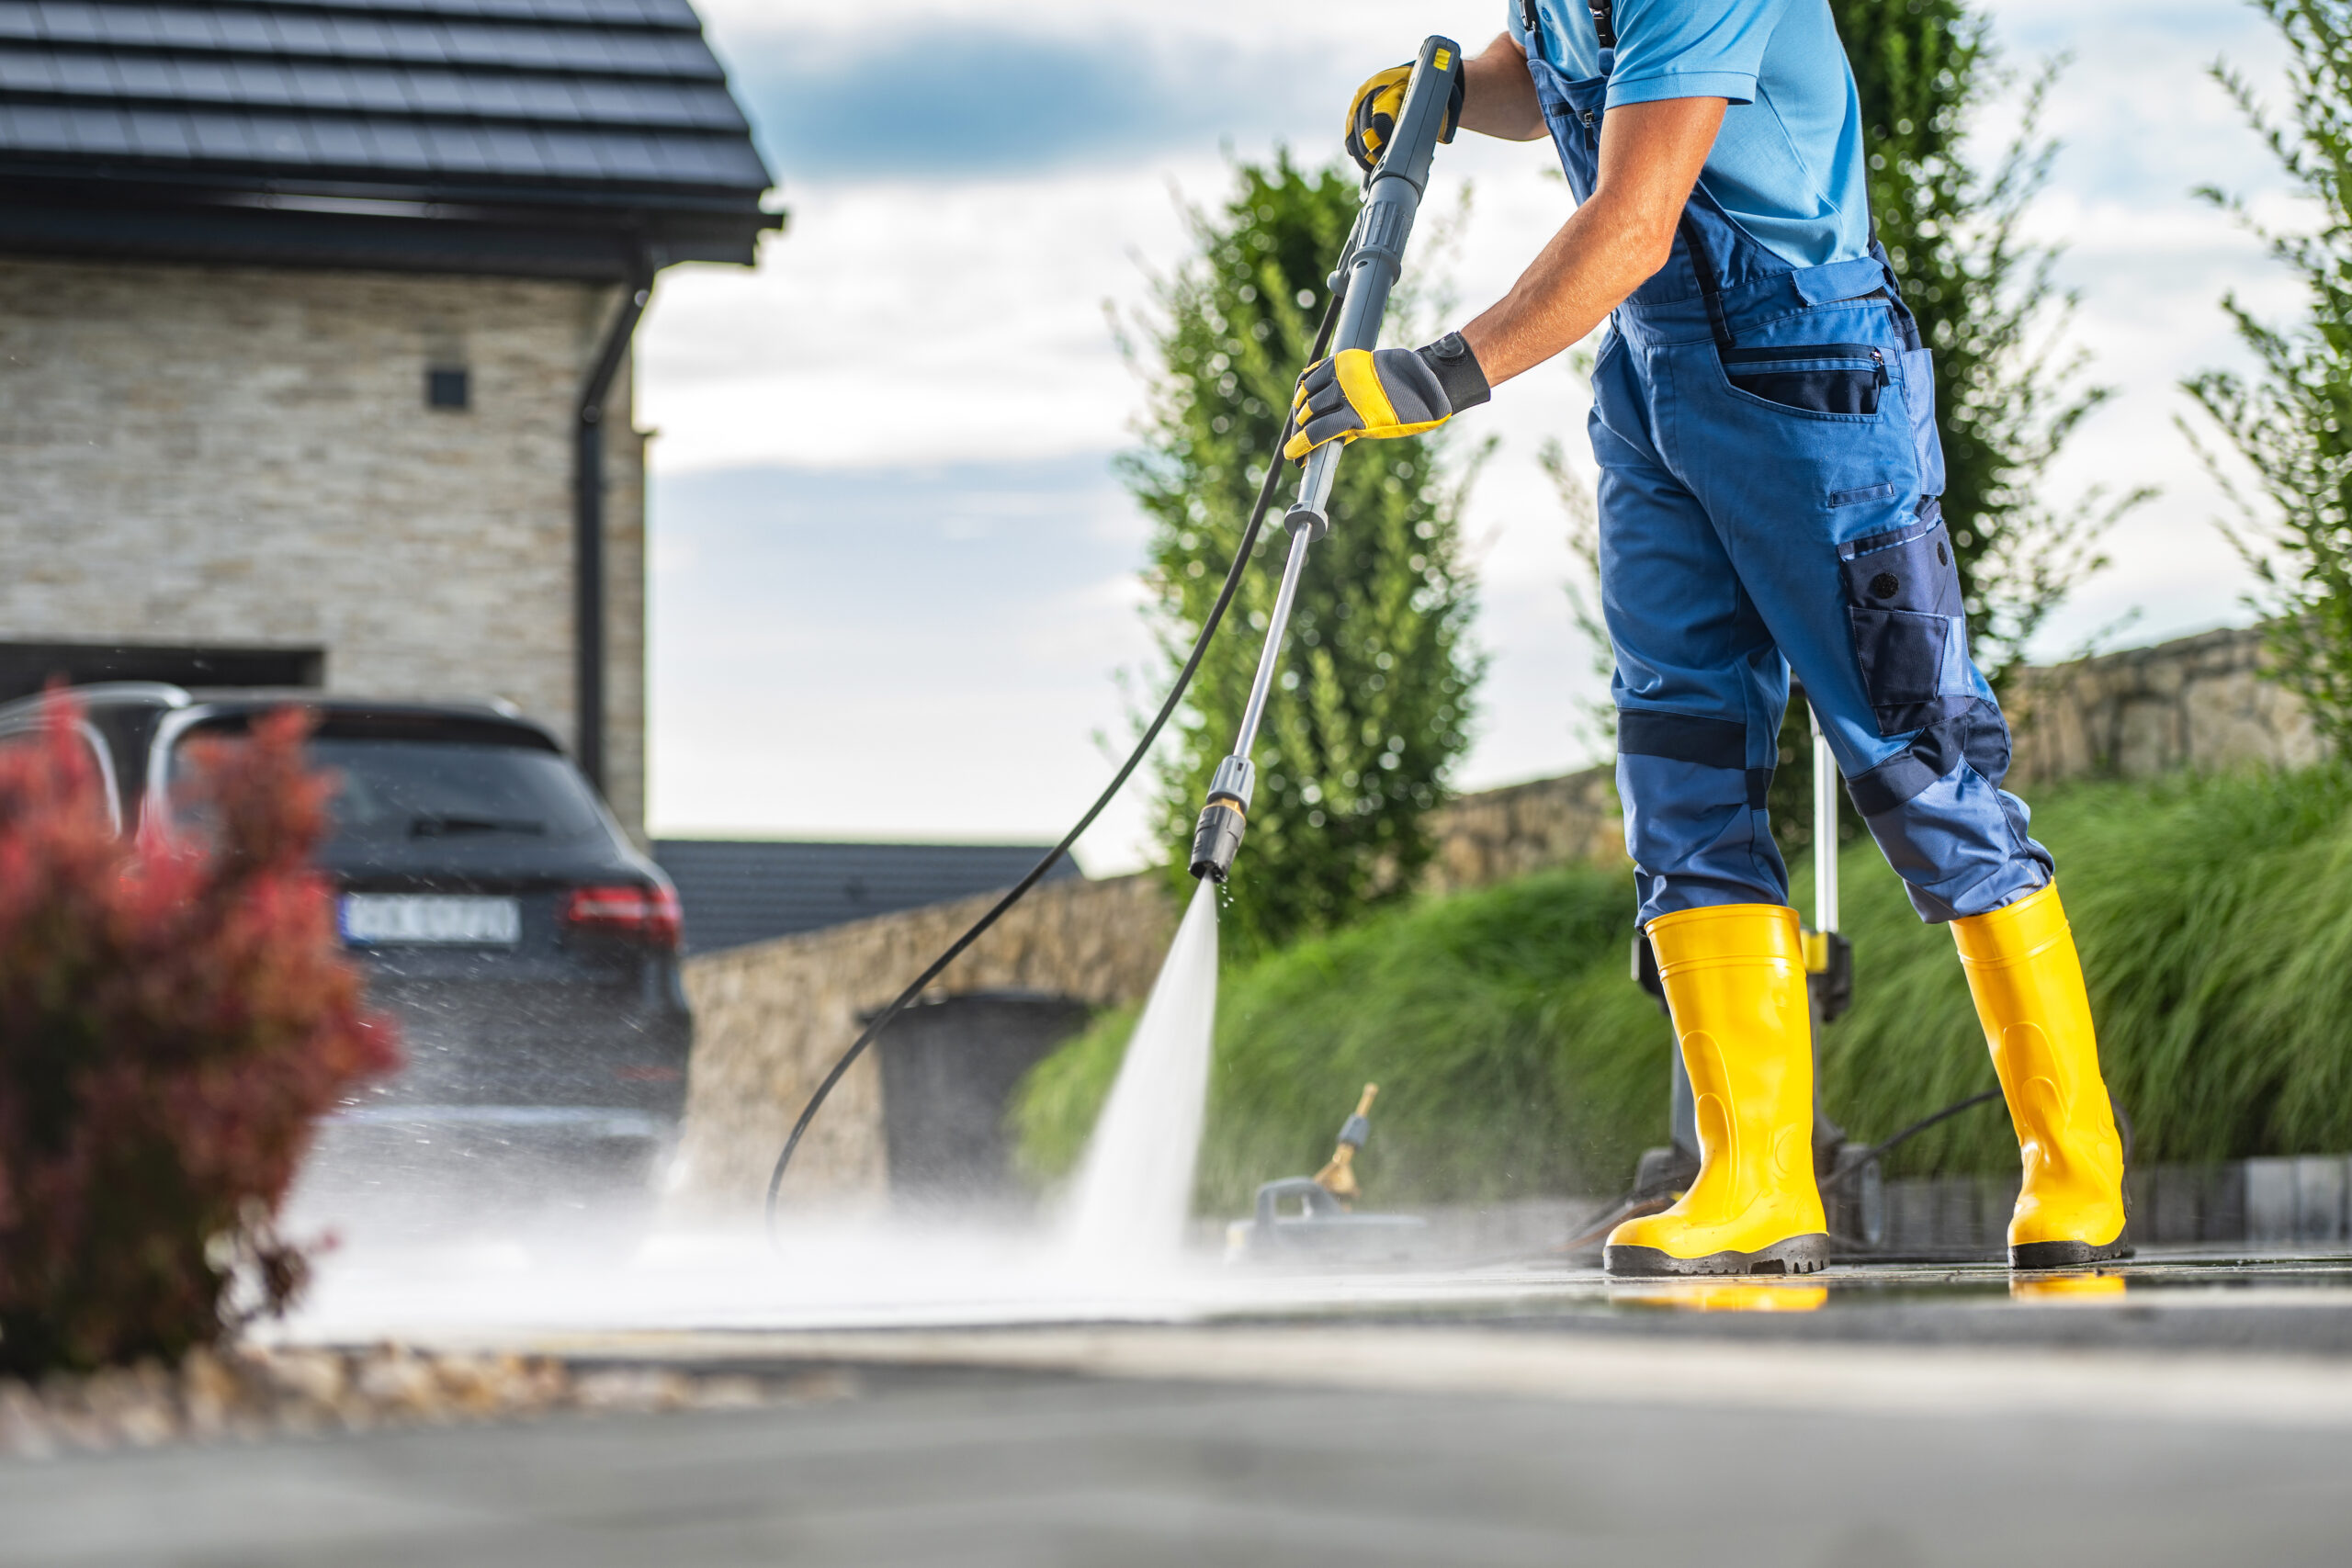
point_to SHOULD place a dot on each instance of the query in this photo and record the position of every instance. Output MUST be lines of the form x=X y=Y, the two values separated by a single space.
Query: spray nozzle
x=1217 y=837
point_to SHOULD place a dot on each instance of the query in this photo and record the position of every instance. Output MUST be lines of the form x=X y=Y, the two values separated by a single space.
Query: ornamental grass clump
x=175 y=1014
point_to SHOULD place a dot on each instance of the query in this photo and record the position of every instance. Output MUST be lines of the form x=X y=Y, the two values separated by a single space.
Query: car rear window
x=407 y=791
x=427 y=789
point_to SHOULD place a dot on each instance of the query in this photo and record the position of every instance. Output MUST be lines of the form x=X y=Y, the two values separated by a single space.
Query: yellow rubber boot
x=2028 y=983
x=1734 y=981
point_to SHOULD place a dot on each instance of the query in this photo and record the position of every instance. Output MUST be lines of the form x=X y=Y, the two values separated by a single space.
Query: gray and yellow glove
x=1384 y=393
x=1371 y=114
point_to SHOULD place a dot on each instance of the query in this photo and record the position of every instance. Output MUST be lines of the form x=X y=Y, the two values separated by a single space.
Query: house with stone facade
x=314 y=341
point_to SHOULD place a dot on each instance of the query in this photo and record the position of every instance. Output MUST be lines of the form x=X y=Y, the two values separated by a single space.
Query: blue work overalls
x=1769 y=471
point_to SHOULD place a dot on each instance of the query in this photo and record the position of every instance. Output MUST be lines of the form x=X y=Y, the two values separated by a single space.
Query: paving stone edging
x=2293 y=1199
x=249 y=1393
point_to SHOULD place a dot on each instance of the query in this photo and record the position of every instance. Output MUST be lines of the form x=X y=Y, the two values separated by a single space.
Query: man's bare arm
x=1650 y=158
x=1498 y=96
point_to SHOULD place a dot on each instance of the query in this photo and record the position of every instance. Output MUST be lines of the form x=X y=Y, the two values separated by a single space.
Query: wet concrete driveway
x=2188 y=1409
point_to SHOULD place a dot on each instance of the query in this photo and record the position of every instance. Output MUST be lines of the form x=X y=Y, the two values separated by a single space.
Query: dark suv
x=527 y=950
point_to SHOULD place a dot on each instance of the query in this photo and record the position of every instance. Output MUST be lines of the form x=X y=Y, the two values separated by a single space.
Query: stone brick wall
x=2198 y=702
x=237 y=455
x=1501 y=834
x=769 y=1019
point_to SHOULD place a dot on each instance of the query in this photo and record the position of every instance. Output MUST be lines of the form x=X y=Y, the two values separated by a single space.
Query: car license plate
x=402 y=920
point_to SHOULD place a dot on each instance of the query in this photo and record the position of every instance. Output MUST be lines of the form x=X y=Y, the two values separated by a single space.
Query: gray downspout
x=588 y=528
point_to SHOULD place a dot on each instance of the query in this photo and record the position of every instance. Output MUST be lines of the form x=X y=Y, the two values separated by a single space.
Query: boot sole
x=1798 y=1255
x=2067 y=1254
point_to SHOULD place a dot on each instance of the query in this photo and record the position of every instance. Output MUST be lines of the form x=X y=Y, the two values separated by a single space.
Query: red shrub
x=174 y=1018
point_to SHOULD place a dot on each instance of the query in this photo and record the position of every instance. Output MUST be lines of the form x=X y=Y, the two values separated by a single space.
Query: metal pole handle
x=1373 y=261
x=1824 y=829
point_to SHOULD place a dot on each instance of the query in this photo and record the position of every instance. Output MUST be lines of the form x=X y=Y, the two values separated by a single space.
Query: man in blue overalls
x=1764 y=422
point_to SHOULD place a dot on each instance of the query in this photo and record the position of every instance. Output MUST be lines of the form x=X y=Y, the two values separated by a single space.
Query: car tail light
x=646 y=915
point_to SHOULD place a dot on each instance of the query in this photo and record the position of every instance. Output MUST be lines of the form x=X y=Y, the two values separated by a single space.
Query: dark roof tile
x=735 y=891
x=446 y=91
x=341 y=144
x=224 y=136
x=158 y=133
x=214 y=80
x=398 y=143
x=93 y=74
x=243 y=28
x=25 y=71
x=131 y=75
x=571 y=154
x=182 y=26
x=253 y=81
x=134 y=25
x=454 y=146
x=357 y=37
x=99 y=132
x=361 y=88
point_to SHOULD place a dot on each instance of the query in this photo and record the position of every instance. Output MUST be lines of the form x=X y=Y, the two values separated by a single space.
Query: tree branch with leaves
x=2292 y=423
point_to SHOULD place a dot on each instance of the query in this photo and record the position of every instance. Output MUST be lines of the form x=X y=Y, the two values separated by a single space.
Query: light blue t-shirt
x=1787 y=164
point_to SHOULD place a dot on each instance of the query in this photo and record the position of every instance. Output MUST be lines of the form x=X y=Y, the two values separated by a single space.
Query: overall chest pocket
x=1572 y=112
x=1822 y=378
x=1909 y=625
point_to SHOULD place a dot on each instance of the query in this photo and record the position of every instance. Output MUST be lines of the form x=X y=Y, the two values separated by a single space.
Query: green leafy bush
x=173 y=1018
x=1516 y=1057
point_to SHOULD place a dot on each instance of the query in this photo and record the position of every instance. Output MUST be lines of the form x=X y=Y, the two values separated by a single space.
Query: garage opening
x=28 y=666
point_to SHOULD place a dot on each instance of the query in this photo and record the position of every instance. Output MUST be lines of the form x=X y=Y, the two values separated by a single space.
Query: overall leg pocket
x=1825 y=378
x=1919 y=400
x=1909 y=625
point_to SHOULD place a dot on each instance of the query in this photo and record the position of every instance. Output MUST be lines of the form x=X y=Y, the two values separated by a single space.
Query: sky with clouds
x=893 y=579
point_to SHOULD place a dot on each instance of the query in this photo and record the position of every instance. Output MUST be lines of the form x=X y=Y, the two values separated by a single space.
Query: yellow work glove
x=1371 y=114
x=1384 y=393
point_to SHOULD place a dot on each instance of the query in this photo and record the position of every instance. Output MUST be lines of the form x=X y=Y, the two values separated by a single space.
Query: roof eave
x=600 y=234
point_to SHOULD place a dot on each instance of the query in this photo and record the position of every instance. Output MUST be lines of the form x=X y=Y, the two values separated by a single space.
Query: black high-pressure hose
x=1879 y=1151
x=1135 y=760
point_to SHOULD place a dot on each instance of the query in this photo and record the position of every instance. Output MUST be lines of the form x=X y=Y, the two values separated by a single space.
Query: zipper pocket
x=1838 y=378
x=1875 y=358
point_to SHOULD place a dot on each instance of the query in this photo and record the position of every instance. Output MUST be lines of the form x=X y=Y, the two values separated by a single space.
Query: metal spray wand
x=1374 y=260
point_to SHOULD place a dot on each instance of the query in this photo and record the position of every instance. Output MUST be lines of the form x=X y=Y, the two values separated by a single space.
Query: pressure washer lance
x=1360 y=286
x=1338 y=1177
x=1374 y=261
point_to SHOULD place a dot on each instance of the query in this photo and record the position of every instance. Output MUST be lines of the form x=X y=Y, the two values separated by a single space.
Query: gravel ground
x=248 y=1394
